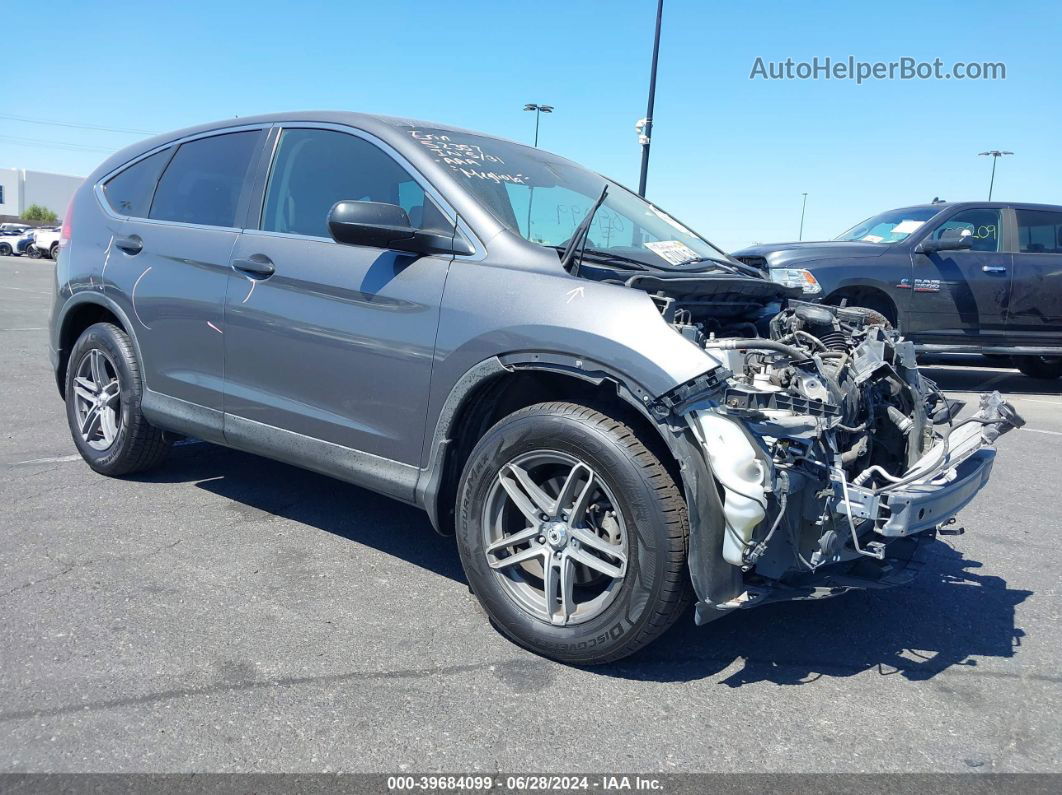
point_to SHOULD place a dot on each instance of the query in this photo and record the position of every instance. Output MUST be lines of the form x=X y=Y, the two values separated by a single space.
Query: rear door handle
x=257 y=264
x=993 y=268
x=130 y=245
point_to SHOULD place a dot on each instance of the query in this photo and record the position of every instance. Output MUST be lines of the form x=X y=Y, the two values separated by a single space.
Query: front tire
x=1046 y=367
x=6 y=250
x=104 y=389
x=53 y=252
x=572 y=534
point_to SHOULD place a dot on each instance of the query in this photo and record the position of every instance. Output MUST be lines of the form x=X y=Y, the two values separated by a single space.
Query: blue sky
x=730 y=156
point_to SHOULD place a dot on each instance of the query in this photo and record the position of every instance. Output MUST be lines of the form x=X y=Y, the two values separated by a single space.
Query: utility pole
x=996 y=154
x=645 y=126
x=802 y=208
x=539 y=110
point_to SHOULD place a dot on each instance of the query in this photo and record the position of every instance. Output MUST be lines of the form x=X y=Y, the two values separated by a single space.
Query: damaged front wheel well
x=515 y=389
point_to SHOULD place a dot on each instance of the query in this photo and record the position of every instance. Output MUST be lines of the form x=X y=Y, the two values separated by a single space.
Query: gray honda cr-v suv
x=611 y=414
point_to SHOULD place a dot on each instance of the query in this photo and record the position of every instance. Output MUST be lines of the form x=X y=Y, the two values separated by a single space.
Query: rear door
x=1036 y=305
x=336 y=343
x=960 y=295
x=177 y=262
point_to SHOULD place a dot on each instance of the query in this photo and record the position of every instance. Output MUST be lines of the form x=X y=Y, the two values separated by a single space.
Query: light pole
x=996 y=154
x=539 y=110
x=645 y=126
x=802 y=208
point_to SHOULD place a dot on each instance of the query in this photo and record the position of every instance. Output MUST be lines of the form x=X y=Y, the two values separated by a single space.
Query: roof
x=939 y=206
x=386 y=128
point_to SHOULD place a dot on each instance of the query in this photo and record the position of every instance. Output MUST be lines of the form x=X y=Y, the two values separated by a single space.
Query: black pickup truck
x=962 y=277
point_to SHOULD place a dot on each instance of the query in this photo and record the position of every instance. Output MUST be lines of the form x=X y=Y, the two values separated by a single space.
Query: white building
x=20 y=189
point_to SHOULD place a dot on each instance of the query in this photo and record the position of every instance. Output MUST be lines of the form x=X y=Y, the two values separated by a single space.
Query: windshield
x=543 y=198
x=890 y=227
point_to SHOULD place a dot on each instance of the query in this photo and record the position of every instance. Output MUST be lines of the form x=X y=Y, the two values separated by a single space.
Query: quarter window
x=314 y=169
x=1039 y=232
x=202 y=183
x=983 y=225
x=130 y=192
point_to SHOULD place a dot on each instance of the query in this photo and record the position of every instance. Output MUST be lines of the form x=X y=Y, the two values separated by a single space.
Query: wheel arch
x=501 y=385
x=81 y=311
x=862 y=292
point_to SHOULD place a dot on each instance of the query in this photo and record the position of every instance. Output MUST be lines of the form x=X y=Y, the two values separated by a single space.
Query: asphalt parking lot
x=228 y=613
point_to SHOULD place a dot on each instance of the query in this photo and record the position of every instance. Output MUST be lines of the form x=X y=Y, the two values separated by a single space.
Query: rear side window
x=1039 y=232
x=202 y=183
x=130 y=192
x=314 y=169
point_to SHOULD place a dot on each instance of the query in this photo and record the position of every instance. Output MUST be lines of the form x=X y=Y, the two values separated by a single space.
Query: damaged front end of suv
x=833 y=459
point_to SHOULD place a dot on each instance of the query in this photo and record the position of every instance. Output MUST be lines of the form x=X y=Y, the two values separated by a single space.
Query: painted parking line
x=1035 y=400
x=1040 y=430
x=52 y=460
x=62 y=459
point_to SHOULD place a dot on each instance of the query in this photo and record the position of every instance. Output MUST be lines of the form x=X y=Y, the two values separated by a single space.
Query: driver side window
x=314 y=169
x=983 y=225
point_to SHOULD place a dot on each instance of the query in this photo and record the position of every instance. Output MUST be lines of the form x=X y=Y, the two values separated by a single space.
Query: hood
x=785 y=254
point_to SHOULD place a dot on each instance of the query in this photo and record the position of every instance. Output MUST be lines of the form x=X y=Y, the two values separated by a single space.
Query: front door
x=331 y=341
x=959 y=295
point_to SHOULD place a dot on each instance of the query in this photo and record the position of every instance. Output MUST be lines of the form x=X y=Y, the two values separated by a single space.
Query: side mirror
x=959 y=243
x=382 y=225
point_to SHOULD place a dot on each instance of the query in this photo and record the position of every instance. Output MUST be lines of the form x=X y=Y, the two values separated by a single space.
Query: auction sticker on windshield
x=906 y=227
x=673 y=251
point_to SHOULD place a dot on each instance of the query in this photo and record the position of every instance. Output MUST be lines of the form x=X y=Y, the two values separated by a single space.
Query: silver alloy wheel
x=555 y=537
x=97 y=399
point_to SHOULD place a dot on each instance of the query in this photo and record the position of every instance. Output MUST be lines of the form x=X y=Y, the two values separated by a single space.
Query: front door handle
x=130 y=245
x=994 y=268
x=257 y=265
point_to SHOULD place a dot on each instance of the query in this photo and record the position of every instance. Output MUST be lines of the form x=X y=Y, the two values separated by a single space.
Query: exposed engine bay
x=834 y=456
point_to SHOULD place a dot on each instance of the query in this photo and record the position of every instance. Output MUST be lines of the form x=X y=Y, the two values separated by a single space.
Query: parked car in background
x=962 y=277
x=611 y=414
x=13 y=227
x=15 y=243
x=46 y=241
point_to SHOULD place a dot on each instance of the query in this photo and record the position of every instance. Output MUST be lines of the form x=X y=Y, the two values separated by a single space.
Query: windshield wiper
x=604 y=257
x=580 y=235
x=734 y=267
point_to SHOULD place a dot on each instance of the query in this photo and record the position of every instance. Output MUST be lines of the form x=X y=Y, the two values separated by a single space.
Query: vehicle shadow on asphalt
x=949 y=614
x=952 y=612
x=260 y=488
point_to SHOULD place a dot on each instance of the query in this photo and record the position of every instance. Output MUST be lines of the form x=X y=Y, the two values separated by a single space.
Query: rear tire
x=1046 y=367
x=610 y=609
x=6 y=250
x=104 y=390
x=53 y=252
